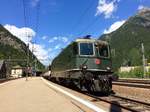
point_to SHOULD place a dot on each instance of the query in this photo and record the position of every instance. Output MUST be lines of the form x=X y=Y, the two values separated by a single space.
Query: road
x=33 y=96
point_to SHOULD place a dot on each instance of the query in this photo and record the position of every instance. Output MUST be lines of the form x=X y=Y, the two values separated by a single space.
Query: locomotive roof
x=91 y=40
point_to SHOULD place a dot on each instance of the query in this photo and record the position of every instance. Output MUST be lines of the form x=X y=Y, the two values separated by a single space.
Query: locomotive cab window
x=103 y=51
x=86 y=49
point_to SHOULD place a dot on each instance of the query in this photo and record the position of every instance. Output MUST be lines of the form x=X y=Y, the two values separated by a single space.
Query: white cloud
x=55 y=38
x=39 y=51
x=34 y=3
x=59 y=38
x=65 y=39
x=50 y=49
x=53 y=54
x=114 y=26
x=22 y=33
x=44 y=37
x=51 y=40
x=141 y=7
x=106 y=8
x=57 y=47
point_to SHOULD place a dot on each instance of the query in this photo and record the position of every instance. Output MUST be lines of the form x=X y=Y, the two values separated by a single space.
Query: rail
x=124 y=103
x=138 y=83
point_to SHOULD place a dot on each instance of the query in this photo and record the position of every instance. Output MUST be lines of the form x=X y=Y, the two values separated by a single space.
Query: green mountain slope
x=13 y=48
x=126 y=41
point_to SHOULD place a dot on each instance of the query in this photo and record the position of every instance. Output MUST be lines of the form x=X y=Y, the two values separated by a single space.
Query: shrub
x=148 y=73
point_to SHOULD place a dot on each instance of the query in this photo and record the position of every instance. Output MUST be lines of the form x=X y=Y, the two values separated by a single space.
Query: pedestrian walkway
x=33 y=96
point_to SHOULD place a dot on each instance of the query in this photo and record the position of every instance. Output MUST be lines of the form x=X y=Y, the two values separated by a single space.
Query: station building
x=16 y=71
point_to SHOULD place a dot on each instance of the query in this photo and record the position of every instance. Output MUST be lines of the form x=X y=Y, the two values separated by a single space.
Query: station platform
x=33 y=96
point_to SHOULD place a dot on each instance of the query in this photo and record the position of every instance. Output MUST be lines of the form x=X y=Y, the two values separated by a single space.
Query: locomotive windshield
x=103 y=51
x=86 y=49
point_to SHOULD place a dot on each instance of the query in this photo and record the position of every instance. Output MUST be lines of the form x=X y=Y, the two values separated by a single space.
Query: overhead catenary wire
x=36 y=24
x=36 y=29
x=81 y=17
x=25 y=25
x=37 y=16
x=28 y=21
x=88 y=27
x=24 y=13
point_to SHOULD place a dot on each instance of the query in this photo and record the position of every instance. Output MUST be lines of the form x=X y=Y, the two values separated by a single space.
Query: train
x=85 y=63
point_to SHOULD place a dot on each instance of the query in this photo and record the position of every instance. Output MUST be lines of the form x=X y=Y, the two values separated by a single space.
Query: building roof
x=17 y=67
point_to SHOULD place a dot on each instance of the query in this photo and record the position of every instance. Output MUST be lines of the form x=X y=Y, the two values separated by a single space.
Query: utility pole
x=25 y=25
x=28 y=57
x=34 y=59
x=27 y=62
x=35 y=66
x=143 y=58
x=32 y=50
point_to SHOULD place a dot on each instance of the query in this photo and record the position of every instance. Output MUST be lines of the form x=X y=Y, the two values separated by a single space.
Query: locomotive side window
x=103 y=51
x=75 y=49
x=86 y=49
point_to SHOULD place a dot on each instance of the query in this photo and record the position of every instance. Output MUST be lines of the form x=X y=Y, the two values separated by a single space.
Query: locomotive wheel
x=89 y=84
x=96 y=85
x=106 y=88
x=53 y=79
x=102 y=86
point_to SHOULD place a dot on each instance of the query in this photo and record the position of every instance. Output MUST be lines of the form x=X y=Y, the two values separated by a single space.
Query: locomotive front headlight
x=84 y=67
x=108 y=68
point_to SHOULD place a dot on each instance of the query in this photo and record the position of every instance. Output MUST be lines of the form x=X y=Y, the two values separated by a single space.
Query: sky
x=52 y=24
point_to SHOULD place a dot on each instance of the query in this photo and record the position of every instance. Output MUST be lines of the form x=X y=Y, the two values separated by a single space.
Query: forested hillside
x=12 y=47
x=126 y=41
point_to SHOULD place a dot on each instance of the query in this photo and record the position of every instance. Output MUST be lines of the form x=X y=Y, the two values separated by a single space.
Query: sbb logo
x=97 y=61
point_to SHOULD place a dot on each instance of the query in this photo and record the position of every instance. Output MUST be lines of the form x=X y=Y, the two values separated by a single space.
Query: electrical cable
x=92 y=23
x=80 y=19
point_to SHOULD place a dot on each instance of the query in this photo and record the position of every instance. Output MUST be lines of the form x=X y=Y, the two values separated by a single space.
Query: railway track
x=118 y=101
x=138 y=83
x=123 y=103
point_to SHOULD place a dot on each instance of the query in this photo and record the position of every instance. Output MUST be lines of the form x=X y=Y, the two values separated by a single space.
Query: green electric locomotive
x=85 y=63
